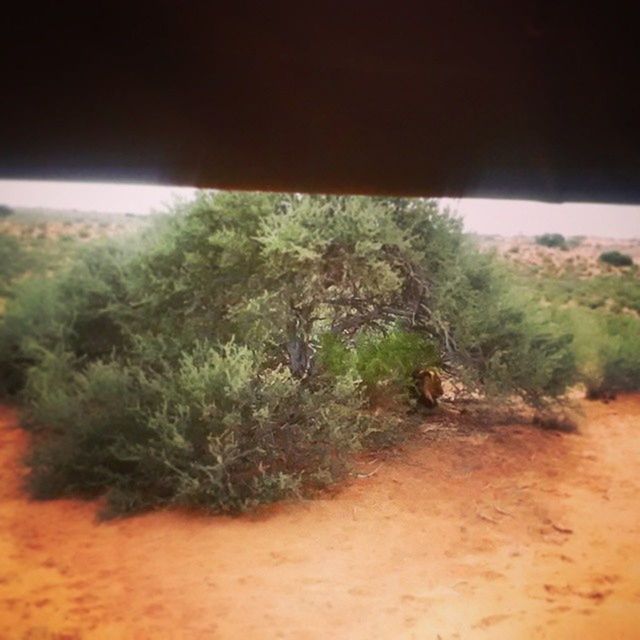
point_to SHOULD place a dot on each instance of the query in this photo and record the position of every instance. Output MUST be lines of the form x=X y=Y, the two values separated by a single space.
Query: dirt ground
x=512 y=533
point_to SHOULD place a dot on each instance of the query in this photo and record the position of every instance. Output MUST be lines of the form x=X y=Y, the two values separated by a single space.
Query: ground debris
x=371 y=473
x=483 y=516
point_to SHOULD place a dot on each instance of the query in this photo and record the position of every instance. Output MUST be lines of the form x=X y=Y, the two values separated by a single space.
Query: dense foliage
x=228 y=355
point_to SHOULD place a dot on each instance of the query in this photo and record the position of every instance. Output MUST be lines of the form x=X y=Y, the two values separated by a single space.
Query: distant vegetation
x=231 y=354
x=602 y=312
x=5 y=211
x=22 y=257
x=37 y=242
x=616 y=259
x=12 y=262
x=552 y=240
x=607 y=348
x=574 y=241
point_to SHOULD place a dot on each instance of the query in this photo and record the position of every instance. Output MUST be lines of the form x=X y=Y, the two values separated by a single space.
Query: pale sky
x=504 y=217
x=515 y=217
x=89 y=196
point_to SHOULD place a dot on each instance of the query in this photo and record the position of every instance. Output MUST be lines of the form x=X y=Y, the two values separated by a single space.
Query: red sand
x=513 y=534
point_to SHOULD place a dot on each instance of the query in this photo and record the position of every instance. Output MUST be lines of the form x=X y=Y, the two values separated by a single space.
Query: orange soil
x=511 y=533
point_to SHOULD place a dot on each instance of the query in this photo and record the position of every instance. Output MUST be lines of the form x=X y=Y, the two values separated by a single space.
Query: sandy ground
x=511 y=533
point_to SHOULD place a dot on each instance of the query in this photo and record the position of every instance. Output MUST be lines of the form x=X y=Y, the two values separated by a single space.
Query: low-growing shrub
x=380 y=362
x=217 y=430
x=552 y=240
x=616 y=259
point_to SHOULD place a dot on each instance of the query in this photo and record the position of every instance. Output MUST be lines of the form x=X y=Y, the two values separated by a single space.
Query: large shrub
x=226 y=356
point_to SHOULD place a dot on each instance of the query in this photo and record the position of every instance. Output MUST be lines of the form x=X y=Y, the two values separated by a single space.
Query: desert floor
x=504 y=532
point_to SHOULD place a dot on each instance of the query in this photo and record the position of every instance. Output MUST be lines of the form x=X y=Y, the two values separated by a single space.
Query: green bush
x=504 y=340
x=607 y=348
x=379 y=361
x=216 y=430
x=28 y=257
x=552 y=240
x=616 y=259
x=13 y=261
x=601 y=314
x=224 y=357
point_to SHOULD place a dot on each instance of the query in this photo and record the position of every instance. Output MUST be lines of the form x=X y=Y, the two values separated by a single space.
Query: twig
x=487 y=518
x=414 y=464
x=561 y=529
x=368 y=475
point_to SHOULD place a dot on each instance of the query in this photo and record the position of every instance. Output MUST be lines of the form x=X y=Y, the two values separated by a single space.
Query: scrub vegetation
x=238 y=349
x=601 y=310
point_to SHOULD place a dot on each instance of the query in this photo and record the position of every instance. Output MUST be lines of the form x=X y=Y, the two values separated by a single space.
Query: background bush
x=552 y=240
x=616 y=259
x=607 y=348
x=226 y=356
x=602 y=313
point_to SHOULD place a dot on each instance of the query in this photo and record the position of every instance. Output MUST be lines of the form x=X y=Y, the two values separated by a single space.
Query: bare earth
x=511 y=533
